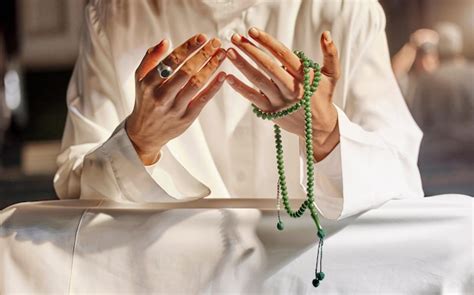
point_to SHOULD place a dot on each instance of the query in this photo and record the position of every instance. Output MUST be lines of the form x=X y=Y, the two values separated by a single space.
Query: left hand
x=281 y=87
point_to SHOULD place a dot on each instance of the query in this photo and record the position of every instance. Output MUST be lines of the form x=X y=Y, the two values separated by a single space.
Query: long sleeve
x=376 y=158
x=97 y=159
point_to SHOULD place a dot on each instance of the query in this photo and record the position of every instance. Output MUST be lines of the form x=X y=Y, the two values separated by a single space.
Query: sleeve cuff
x=164 y=181
x=175 y=179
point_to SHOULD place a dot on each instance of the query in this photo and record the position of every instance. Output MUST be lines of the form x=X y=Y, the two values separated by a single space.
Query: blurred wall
x=406 y=16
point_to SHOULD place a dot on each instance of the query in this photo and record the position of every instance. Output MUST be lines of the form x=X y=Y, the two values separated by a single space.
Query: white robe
x=228 y=152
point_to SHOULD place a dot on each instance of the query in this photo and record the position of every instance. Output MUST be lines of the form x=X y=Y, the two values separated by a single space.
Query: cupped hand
x=165 y=108
x=279 y=77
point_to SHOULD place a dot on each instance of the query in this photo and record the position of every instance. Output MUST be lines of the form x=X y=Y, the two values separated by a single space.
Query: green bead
x=280 y=225
x=315 y=283
x=310 y=88
x=320 y=275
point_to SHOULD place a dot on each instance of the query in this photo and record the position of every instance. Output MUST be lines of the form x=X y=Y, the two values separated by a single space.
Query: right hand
x=165 y=108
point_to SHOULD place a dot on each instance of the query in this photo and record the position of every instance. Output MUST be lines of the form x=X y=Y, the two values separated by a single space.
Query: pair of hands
x=165 y=108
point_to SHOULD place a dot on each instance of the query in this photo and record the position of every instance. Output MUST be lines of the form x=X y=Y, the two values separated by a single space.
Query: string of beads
x=282 y=190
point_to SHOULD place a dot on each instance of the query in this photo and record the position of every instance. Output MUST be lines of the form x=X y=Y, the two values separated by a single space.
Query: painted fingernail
x=201 y=38
x=230 y=80
x=215 y=43
x=236 y=37
x=327 y=36
x=231 y=53
x=220 y=55
x=254 y=32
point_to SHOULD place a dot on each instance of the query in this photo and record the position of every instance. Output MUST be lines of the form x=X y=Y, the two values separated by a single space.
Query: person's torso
x=241 y=145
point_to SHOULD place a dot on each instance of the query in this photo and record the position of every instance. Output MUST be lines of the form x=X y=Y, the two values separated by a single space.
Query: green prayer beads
x=305 y=103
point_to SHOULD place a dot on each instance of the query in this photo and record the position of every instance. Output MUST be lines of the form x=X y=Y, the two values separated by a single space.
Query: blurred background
x=432 y=49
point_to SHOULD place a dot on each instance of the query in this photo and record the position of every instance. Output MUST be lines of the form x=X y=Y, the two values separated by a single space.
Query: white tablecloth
x=421 y=246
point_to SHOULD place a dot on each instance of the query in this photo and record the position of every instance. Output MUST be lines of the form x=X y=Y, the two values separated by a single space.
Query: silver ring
x=164 y=70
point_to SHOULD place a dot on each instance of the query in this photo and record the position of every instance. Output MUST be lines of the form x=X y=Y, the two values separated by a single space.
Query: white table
x=421 y=246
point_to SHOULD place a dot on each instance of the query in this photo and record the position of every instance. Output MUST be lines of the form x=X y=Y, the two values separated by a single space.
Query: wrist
x=148 y=156
x=325 y=132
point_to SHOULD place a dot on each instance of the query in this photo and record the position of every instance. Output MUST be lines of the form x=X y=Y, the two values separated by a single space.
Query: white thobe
x=228 y=152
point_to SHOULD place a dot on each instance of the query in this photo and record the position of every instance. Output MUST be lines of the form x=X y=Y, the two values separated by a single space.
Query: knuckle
x=186 y=70
x=158 y=93
x=173 y=59
x=282 y=52
x=214 y=62
x=189 y=45
x=174 y=113
x=273 y=67
x=205 y=53
x=259 y=80
x=196 y=82
x=203 y=98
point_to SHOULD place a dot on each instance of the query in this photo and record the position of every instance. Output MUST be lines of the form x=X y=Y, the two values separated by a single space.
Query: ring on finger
x=164 y=70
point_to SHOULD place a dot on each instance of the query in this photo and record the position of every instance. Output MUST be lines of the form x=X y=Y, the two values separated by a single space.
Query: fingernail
x=215 y=43
x=236 y=37
x=231 y=54
x=327 y=36
x=220 y=55
x=254 y=32
x=230 y=80
x=221 y=77
x=201 y=38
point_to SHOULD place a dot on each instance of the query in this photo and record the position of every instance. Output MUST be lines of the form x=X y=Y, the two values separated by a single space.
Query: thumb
x=331 y=67
x=151 y=59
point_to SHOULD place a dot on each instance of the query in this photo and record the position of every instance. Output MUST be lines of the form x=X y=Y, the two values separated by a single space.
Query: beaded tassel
x=305 y=102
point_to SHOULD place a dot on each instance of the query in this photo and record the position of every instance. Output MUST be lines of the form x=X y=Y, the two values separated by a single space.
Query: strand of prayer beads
x=282 y=190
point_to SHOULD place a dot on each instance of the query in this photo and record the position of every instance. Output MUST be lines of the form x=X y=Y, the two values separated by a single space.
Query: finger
x=279 y=50
x=151 y=59
x=176 y=57
x=282 y=78
x=198 y=81
x=197 y=104
x=191 y=66
x=173 y=85
x=249 y=93
x=331 y=66
x=256 y=77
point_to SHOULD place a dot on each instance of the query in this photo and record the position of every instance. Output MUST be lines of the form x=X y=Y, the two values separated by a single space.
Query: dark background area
x=45 y=87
